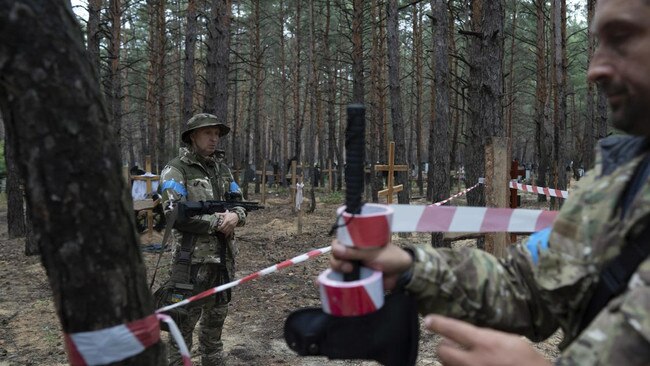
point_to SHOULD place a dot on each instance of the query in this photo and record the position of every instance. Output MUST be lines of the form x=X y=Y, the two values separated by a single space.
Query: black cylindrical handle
x=354 y=157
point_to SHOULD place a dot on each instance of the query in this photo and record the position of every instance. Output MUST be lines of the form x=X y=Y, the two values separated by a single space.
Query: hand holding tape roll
x=356 y=320
x=369 y=229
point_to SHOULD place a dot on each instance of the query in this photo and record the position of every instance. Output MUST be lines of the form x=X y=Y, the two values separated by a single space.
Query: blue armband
x=537 y=243
x=174 y=185
x=234 y=187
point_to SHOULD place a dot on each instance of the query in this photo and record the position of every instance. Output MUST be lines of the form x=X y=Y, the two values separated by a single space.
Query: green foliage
x=334 y=197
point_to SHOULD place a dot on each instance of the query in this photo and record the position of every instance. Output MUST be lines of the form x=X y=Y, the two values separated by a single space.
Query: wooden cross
x=263 y=174
x=147 y=179
x=147 y=205
x=391 y=168
x=329 y=172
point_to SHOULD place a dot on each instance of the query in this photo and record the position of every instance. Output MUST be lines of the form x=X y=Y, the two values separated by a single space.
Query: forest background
x=439 y=78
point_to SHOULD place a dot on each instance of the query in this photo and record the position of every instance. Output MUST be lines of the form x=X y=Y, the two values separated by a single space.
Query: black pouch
x=389 y=335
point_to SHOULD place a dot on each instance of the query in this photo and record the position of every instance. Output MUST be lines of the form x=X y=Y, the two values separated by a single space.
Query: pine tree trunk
x=114 y=84
x=358 y=88
x=439 y=129
x=93 y=34
x=189 y=79
x=98 y=280
x=541 y=133
x=589 y=138
x=14 y=187
x=392 y=43
x=486 y=85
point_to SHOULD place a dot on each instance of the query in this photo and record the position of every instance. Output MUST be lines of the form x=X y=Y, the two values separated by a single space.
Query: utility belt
x=181 y=284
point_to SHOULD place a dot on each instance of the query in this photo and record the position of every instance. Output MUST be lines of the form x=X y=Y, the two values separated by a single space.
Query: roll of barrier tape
x=371 y=228
x=353 y=298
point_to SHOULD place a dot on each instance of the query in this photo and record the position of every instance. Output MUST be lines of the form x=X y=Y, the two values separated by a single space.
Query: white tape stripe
x=540 y=190
x=523 y=220
x=108 y=345
x=406 y=217
x=467 y=219
x=252 y=276
x=178 y=338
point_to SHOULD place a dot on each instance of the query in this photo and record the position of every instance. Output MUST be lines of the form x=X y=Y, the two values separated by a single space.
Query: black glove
x=389 y=335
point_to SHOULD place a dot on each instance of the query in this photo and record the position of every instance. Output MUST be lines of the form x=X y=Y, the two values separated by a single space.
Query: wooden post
x=263 y=182
x=496 y=189
x=391 y=168
x=293 y=184
x=329 y=172
x=300 y=210
x=148 y=206
x=514 y=201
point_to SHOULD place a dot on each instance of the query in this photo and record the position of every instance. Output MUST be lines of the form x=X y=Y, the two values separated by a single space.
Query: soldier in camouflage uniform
x=548 y=282
x=200 y=173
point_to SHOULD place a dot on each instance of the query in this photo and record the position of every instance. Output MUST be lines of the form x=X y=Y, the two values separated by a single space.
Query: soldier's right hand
x=390 y=259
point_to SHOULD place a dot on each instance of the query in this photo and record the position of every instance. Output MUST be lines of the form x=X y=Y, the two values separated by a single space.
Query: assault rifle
x=188 y=209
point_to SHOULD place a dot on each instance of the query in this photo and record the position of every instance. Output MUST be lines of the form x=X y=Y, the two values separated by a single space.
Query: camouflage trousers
x=210 y=315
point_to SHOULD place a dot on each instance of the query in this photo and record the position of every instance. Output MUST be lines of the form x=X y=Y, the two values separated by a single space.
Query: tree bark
x=189 y=80
x=218 y=64
x=14 y=187
x=114 y=79
x=541 y=96
x=419 y=92
x=93 y=34
x=358 y=81
x=589 y=138
x=486 y=86
x=560 y=99
x=296 y=86
x=98 y=280
x=439 y=130
x=392 y=43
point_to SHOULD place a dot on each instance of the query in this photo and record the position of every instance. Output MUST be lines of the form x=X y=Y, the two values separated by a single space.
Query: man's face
x=621 y=63
x=205 y=139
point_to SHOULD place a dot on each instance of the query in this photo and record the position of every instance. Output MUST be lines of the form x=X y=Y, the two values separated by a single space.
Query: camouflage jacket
x=193 y=178
x=533 y=298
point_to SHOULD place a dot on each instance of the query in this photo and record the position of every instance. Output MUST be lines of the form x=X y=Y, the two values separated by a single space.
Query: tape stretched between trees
x=539 y=190
x=113 y=344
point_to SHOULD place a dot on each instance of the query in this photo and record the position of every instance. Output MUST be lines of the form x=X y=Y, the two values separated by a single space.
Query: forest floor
x=253 y=334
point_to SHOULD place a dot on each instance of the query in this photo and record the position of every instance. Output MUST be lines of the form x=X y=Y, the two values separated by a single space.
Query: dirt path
x=253 y=335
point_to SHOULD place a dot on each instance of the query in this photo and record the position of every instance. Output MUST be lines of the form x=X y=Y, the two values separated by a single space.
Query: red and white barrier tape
x=112 y=344
x=539 y=190
x=178 y=338
x=456 y=195
x=411 y=218
x=250 y=277
x=371 y=228
x=353 y=298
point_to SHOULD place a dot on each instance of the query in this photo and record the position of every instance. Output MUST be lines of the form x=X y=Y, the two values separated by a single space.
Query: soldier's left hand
x=466 y=344
x=230 y=221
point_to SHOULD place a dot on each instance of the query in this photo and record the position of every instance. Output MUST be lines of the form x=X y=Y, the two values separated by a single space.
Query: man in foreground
x=564 y=277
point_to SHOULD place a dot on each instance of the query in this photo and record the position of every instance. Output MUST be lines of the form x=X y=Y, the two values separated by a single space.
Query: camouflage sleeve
x=172 y=186
x=620 y=334
x=241 y=213
x=227 y=176
x=472 y=285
